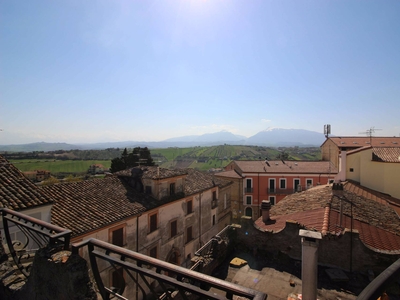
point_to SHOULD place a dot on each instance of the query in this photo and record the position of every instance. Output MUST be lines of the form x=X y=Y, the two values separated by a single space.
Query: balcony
x=248 y=190
x=150 y=277
x=33 y=234
x=214 y=203
x=280 y=191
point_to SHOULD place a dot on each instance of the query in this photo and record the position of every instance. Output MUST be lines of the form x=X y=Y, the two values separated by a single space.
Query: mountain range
x=272 y=137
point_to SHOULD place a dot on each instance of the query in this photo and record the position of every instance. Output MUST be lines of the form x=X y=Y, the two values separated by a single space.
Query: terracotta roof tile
x=229 y=174
x=278 y=166
x=91 y=204
x=317 y=208
x=197 y=181
x=16 y=191
x=386 y=154
x=358 y=141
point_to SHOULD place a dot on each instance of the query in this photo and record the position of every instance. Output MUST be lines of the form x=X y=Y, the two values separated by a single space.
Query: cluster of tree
x=138 y=157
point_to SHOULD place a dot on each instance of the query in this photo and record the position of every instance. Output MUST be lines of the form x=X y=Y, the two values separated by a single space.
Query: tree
x=138 y=156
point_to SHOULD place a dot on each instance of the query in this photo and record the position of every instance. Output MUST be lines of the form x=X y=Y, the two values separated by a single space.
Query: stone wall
x=333 y=251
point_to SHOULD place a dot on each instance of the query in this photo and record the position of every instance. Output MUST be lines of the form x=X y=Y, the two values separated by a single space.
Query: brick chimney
x=265 y=208
x=309 y=263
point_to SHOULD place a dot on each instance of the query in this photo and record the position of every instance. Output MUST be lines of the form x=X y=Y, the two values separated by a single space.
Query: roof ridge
x=325 y=223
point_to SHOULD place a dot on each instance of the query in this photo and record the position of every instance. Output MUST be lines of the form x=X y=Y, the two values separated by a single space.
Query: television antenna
x=370 y=132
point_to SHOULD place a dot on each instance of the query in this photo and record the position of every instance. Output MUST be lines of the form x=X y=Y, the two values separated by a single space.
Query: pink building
x=273 y=180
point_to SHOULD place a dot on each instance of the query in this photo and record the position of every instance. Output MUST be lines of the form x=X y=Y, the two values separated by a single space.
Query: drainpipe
x=200 y=242
x=309 y=263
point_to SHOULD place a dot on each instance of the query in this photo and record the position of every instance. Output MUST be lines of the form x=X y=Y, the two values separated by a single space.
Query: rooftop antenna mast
x=370 y=132
x=327 y=130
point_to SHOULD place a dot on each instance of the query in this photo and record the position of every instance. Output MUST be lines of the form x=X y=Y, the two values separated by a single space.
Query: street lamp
x=337 y=190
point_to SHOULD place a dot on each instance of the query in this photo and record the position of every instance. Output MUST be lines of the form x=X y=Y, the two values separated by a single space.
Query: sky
x=149 y=70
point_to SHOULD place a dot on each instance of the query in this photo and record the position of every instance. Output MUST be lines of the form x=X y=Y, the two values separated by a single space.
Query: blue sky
x=96 y=71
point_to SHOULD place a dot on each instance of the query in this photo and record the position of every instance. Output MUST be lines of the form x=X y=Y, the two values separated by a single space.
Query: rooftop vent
x=382 y=143
x=394 y=142
x=355 y=143
x=276 y=163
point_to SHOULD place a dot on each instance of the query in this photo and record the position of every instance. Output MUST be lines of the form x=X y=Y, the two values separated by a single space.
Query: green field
x=57 y=166
x=201 y=158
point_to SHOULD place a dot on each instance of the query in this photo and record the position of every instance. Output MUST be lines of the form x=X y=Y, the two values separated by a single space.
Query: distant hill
x=275 y=137
x=279 y=137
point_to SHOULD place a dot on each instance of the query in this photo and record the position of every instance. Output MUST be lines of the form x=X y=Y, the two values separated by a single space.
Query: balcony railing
x=155 y=278
x=281 y=191
x=214 y=203
x=248 y=190
x=37 y=234
x=381 y=283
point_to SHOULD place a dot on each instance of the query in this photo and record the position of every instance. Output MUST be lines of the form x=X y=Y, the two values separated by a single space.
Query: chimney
x=337 y=190
x=265 y=208
x=309 y=263
x=341 y=176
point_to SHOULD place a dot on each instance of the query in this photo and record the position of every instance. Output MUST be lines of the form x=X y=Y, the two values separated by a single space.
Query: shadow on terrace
x=54 y=272
x=41 y=266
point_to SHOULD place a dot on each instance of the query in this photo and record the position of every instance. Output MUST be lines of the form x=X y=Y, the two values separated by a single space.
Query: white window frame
x=312 y=183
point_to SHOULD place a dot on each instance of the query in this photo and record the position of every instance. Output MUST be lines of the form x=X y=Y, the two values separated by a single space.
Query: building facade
x=166 y=214
x=273 y=180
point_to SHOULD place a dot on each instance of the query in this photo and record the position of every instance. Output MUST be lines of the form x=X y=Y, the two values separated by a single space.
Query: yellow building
x=375 y=167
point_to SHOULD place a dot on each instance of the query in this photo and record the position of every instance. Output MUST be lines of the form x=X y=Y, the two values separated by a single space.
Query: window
x=282 y=183
x=249 y=185
x=272 y=200
x=272 y=184
x=248 y=182
x=214 y=196
x=296 y=184
x=189 y=234
x=153 y=252
x=248 y=200
x=309 y=183
x=148 y=189
x=174 y=228
x=189 y=207
x=213 y=221
x=351 y=170
x=172 y=189
x=117 y=236
x=153 y=222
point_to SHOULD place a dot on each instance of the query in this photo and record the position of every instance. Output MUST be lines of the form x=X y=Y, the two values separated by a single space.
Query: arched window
x=249 y=212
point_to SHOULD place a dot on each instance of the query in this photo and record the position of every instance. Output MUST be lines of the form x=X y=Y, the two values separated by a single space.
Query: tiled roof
x=91 y=204
x=288 y=166
x=152 y=172
x=312 y=220
x=197 y=181
x=229 y=174
x=358 y=141
x=317 y=209
x=16 y=191
x=372 y=236
x=386 y=154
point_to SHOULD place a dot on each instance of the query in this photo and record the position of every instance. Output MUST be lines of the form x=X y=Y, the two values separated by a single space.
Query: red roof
x=358 y=141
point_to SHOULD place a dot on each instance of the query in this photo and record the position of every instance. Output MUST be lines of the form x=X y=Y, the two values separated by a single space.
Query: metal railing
x=248 y=190
x=155 y=278
x=379 y=285
x=281 y=191
x=36 y=233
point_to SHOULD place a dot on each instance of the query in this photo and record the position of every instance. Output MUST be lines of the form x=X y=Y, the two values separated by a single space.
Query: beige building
x=375 y=167
x=333 y=146
x=166 y=214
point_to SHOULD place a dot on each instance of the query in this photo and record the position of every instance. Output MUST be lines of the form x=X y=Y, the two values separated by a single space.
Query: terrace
x=153 y=278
